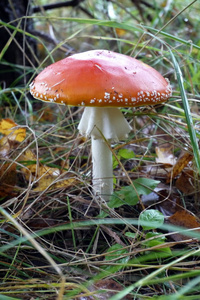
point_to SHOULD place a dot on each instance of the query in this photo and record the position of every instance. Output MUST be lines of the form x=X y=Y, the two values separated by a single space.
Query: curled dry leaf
x=182 y=162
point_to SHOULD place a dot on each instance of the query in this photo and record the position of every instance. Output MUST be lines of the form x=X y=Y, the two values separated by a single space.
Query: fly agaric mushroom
x=102 y=81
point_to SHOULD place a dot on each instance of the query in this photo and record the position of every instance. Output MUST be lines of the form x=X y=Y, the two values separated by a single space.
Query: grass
x=57 y=240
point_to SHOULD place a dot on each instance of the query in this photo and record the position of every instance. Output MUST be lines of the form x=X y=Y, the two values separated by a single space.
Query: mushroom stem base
x=102 y=168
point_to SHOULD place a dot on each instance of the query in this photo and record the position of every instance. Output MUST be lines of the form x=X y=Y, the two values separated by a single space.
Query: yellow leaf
x=49 y=182
x=7 y=127
x=45 y=177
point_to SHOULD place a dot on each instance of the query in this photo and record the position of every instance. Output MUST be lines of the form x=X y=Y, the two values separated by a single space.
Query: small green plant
x=151 y=219
x=130 y=195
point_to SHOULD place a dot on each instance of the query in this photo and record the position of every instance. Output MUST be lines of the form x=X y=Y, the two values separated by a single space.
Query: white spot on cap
x=107 y=96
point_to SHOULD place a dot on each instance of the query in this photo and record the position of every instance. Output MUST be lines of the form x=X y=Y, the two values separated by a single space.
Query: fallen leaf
x=164 y=198
x=104 y=289
x=8 y=128
x=165 y=156
x=182 y=162
x=45 y=177
x=184 y=219
x=7 y=179
x=50 y=182
x=186 y=183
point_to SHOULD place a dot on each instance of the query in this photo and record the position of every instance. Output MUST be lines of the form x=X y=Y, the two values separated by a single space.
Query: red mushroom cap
x=101 y=78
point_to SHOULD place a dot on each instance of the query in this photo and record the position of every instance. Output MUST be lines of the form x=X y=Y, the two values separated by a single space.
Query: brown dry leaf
x=186 y=183
x=165 y=156
x=7 y=179
x=165 y=199
x=182 y=162
x=184 y=219
x=7 y=127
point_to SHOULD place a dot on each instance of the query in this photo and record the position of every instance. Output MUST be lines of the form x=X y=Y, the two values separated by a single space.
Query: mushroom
x=102 y=81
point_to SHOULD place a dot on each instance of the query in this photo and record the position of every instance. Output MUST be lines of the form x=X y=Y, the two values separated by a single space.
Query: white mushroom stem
x=103 y=123
x=102 y=168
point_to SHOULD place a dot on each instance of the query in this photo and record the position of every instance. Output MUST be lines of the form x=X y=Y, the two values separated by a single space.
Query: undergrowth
x=58 y=241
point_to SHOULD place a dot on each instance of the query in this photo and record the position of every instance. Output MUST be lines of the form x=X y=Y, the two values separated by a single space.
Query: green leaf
x=115 y=161
x=129 y=195
x=118 y=255
x=126 y=153
x=152 y=217
x=158 y=240
x=130 y=234
x=126 y=195
x=115 y=251
x=156 y=235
